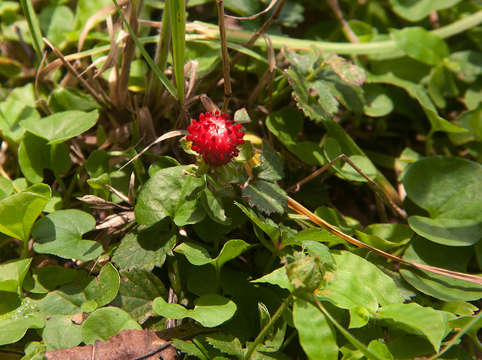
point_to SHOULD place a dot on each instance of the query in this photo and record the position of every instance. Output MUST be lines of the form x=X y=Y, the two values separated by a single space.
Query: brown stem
x=339 y=15
x=69 y=67
x=300 y=209
x=395 y=208
x=261 y=30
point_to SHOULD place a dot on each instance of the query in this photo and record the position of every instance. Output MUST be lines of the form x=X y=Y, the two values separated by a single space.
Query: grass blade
x=33 y=26
x=165 y=81
x=177 y=12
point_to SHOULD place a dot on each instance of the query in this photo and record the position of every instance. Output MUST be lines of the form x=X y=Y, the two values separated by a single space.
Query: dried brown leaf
x=127 y=345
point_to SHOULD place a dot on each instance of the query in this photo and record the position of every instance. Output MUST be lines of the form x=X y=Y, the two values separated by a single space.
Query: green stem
x=33 y=25
x=456 y=338
x=354 y=341
x=177 y=14
x=24 y=253
x=162 y=50
x=268 y=326
x=370 y=48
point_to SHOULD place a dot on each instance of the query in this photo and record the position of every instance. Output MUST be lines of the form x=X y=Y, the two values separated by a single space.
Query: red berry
x=215 y=137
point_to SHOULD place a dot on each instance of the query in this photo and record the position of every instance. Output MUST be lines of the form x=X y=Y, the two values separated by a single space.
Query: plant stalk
x=370 y=48
x=268 y=326
x=225 y=56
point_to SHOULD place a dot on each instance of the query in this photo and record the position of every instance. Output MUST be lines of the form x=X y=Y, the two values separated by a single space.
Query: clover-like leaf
x=170 y=192
x=35 y=155
x=106 y=322
x=14 y=324
x=210 y=310
x=12 y=274
x=103 y=289
x=62 y=126
x=60 y=233
x=19 y=211
x=197 y=255
x=452 y=198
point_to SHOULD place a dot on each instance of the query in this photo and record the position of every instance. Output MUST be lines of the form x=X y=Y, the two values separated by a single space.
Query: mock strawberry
x=215 y=138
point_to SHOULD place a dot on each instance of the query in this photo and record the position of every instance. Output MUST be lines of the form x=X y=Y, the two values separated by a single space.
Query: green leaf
x=197 y=255
x=453 y=181
x=452 y=198
x=466 y=64
x=6 y=187
x=380 y=348
x=385 y=236
x=214 y=207
x=14 y=325
x=210 y=310
x=137 y=290
x=317 y=338
x=266 y=196
x=34 y=350
x=60 y=332
x=347 y=288
x=60 y=233
x=271 y=168
x=305 y=272
x=19 y=211
x=55 y=22
x=48 y=278
x=62 y=126
x=189 y=348
x=106 y=322
x=62 y=99
x=35 y=155
x=315 y=99
x=86 y=9
x=417 y=92
x=269 y=229
x=472 y=121
x=416 y=319
x=242 y=7
x=441 y=287
x=285 y=124
x=416 y=10
x=65 y=301
x=170 y=192
x=346 y=70
x=447 y=231
x=277 y=277
x=231 y=250
x=12 y=274
x=145 y=247
x=377 y=102
x=421 y=45
x=332 y=149
x=12 y=114
x=103 y=289
x=226 y=343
